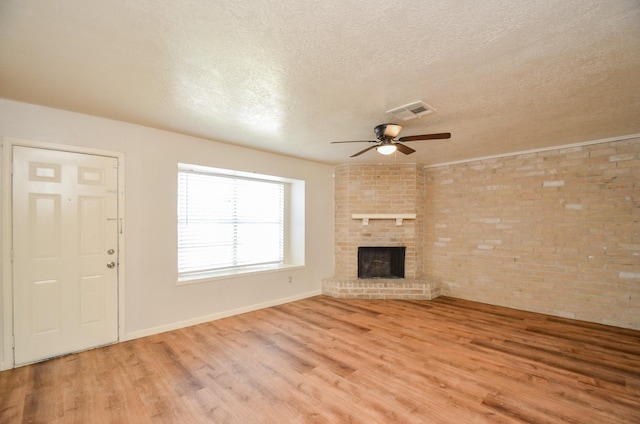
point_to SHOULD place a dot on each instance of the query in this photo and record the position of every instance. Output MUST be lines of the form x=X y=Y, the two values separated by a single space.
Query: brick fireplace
x=381 y=206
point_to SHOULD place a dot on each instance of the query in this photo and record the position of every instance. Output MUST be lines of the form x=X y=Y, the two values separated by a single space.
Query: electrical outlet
x=290 y=280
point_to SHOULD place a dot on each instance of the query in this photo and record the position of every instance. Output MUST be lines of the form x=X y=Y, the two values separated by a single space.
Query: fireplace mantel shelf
x=365 y=217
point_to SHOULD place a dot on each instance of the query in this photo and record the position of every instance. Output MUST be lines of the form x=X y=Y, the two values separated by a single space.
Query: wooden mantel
x=365 y=217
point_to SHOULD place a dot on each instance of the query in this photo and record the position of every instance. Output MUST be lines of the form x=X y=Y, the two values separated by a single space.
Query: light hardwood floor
x=326 y=360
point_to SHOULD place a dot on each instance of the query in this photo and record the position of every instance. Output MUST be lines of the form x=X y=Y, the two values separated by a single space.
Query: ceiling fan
x=387 y=142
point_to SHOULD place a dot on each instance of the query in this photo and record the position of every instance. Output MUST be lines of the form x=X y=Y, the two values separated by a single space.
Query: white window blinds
x=228 y=222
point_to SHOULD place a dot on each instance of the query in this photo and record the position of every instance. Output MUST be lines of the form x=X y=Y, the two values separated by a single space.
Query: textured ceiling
x=291 y=76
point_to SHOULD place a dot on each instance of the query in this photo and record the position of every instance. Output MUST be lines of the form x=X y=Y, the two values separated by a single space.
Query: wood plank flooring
x=326 y=360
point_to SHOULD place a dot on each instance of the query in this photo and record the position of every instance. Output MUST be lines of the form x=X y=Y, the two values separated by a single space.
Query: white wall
x=153 y=301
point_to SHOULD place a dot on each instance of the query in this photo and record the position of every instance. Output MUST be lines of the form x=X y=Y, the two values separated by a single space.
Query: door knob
x=111 y=264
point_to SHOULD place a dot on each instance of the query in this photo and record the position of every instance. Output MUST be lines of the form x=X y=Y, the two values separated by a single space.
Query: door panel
x=91 y=300
x=45 y=225
x=65 y=217
x=45 y=307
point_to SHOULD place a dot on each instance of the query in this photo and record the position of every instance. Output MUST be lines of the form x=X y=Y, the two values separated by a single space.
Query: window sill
x=203 y=277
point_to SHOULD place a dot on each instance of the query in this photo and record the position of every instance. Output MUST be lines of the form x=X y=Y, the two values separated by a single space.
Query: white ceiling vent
x=412 y=111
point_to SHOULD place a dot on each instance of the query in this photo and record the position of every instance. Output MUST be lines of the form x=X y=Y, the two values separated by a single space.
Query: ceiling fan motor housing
x=387 y=131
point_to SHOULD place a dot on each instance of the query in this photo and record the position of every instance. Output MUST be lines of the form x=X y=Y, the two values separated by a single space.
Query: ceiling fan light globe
x=386 y=149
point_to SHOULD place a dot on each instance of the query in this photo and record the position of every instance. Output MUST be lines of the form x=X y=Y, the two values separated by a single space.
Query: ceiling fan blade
x=404 y=149
x=356 y=141
x=425 y=137
x=363 y=151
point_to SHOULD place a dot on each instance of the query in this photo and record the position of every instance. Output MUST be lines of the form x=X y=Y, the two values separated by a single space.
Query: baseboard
x=225 y=314
x=6 y=365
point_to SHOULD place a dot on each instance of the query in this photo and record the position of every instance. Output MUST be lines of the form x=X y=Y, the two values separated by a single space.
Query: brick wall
x=556 y=232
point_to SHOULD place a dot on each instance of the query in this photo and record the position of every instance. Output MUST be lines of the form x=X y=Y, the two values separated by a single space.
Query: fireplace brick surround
x=379 y=190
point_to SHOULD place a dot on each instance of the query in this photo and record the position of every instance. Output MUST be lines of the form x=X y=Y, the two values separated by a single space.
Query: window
x=230 y=222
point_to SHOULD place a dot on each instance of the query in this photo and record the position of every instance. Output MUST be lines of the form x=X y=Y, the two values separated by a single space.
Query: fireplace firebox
x=381 y=262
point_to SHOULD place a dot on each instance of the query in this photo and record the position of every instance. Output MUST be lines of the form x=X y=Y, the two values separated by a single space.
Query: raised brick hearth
x=362 y=288
x=393 y=196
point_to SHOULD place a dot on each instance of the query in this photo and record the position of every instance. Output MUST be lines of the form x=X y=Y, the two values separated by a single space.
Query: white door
x=65 y=252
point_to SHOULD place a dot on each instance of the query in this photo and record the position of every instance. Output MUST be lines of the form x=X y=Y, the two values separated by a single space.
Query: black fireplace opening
x=381 y=262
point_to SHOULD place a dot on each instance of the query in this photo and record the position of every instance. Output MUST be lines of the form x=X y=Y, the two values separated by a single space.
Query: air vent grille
x=412 y=111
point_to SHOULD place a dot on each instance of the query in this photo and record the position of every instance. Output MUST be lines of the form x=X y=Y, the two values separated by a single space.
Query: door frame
x=8 y=360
